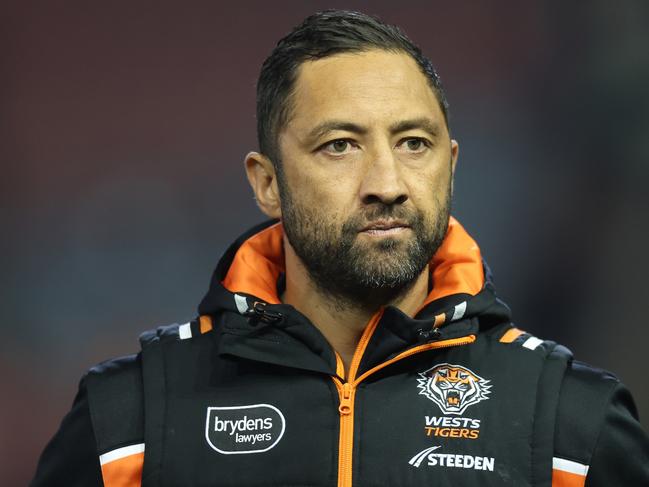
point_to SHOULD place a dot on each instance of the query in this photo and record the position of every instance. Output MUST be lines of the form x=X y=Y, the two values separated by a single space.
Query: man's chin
x=382 y=245
x=391 y=266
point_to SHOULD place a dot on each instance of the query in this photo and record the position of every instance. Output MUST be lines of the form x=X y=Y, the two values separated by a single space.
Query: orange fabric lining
x=456 y=266
x=340 y=368
x=205 y=323
x=124 y=472
x=561 y=478
x=439 y=320
x=511 y=335
x=257 y=265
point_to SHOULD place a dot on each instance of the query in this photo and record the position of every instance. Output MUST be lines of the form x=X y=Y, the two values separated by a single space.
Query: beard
x=356 y=273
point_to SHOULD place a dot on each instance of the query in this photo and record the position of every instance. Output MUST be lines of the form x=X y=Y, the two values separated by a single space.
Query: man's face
x=367 y=168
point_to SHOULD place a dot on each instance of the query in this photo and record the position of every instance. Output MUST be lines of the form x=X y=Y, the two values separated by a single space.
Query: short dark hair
x=321 y=35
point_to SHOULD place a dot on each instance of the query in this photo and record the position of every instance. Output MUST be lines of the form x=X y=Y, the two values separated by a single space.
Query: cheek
x=324 y=192
x=430 y=186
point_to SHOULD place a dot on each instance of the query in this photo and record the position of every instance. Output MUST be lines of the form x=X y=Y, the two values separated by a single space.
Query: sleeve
x=70 y=458
x=621 y=454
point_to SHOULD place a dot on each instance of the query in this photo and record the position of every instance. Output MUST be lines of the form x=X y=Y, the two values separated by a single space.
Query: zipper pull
x=346 y=400
x=259 y=312
x=429 y=335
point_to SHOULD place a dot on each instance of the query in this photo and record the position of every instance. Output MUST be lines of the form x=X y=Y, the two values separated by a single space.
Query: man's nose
x=383 y=178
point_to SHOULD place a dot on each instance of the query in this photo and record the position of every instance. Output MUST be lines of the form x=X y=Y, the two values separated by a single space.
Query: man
x=355 y=339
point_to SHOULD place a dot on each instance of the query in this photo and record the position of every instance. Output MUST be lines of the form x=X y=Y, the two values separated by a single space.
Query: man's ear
x=455 y=151
x=263 y=180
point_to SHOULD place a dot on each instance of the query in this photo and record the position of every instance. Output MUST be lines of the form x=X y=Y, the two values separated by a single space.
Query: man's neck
x=342 y=324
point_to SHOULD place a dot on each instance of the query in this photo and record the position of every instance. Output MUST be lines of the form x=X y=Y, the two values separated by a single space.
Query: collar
x=254 y=324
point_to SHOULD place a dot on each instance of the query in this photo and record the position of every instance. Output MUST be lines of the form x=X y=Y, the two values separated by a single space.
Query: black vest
x=213 y=411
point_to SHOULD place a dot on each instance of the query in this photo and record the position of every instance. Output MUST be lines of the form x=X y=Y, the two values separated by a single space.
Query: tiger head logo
x=453 y=387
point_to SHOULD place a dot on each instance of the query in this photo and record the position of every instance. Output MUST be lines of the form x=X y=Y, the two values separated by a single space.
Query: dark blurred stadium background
x=123 y=128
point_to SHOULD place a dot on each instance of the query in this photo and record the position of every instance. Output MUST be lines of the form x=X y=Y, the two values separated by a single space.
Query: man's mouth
x=380 y=228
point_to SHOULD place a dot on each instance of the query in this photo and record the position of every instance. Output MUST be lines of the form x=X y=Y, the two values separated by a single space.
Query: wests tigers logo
x=453 y=387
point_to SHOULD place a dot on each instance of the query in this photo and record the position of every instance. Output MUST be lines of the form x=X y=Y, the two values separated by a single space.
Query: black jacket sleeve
x=70 y=458
x=597 y=425
x=621 y=454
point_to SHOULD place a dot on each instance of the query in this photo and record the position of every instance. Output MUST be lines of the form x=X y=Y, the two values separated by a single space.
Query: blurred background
x=123 y=128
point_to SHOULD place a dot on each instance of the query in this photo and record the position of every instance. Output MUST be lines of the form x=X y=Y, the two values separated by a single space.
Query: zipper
x=451 y=342
x=347 y=390
x=346 y=440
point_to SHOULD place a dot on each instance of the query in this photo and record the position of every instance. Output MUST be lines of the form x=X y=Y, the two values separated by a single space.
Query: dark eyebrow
x=423 y=123
x=330 y=125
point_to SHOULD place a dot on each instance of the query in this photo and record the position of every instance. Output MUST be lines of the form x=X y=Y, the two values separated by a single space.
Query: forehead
x=371 y=88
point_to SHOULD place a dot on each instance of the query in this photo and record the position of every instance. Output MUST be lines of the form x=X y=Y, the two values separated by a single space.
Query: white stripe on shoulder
x=459 y=311
x=125 y=451
x=241 y=302
x=569 y=466
x=185 y=331
x=532 y=343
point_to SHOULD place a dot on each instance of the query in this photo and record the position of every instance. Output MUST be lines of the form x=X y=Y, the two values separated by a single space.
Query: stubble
x=357 y=273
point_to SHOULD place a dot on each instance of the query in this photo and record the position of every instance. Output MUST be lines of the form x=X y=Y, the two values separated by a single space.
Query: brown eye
x=414 y=144
x=339 y=145
x=338 y=148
